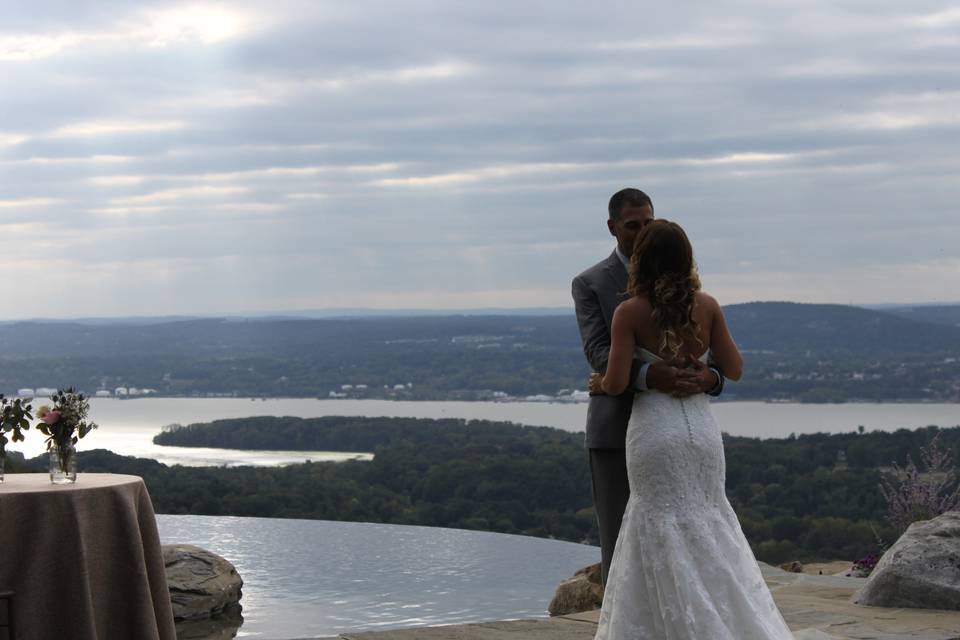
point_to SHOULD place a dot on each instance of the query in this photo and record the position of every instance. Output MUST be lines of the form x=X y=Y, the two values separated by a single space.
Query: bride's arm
x=622 y=344
x=722 y=347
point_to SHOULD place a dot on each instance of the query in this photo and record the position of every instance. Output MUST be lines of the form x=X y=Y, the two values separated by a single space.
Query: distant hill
x=248 y=337
x=831 y=329
x=775 y=326
x=937 y=314
x=793 y=351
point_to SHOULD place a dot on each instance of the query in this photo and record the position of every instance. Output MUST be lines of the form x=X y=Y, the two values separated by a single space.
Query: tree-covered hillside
x=792 y=351
x=797 y=498
x=812 y=496
x=938 y=314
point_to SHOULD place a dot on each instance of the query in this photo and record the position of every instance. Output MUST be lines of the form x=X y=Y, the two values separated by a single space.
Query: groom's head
x=630 y=211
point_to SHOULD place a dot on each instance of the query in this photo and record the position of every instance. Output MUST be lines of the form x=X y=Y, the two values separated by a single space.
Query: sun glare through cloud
x=207 y=24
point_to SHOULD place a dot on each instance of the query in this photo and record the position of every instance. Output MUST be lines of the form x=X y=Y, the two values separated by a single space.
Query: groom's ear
x=612 y=226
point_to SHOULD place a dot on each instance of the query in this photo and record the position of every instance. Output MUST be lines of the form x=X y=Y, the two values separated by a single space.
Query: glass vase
x=63 y=464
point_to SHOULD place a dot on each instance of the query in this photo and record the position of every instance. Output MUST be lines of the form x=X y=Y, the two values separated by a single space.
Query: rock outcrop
x=792 y=567
x=920 y=571
x=582 y=592
x=201 y=583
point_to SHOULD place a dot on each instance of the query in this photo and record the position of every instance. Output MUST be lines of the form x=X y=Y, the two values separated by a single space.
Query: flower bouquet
x=64 y=424
x=14 y=419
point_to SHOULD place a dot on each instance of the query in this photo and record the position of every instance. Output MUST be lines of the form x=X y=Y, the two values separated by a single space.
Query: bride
x=681 y=569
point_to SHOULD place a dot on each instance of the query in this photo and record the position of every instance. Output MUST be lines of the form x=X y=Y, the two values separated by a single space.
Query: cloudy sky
x=282 y=155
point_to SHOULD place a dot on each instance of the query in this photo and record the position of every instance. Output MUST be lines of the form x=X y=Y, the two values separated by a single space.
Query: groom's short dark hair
x=624 y=197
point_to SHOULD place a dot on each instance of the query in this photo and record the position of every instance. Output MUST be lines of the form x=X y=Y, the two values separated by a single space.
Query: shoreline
x=508 y=401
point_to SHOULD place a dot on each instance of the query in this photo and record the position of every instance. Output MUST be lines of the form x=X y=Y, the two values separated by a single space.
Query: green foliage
x=793 y=498
x=15 y=418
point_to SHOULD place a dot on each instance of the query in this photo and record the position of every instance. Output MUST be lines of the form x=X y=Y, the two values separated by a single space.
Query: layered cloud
x=254 y=156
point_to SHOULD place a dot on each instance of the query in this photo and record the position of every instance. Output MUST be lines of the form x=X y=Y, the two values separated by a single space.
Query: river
x=127 y=427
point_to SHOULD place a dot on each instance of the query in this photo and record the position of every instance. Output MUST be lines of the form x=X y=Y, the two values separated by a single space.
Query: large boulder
x=582 y=592
x=921 y=571
x=201 y=583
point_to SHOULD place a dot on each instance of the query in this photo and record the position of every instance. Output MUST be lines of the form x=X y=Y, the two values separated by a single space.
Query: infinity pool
x=308 y=578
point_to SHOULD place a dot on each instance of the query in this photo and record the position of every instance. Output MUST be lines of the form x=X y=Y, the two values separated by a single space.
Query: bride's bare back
x=647 y=335
x=633 y=326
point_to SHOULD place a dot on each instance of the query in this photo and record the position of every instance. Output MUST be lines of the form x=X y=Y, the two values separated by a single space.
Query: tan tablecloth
x=83 y=560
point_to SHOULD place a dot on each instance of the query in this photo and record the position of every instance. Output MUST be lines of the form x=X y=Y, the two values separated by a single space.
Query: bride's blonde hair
x=662 y=270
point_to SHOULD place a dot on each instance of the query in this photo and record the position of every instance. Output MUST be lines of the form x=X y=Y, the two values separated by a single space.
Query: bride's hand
x=595 y=385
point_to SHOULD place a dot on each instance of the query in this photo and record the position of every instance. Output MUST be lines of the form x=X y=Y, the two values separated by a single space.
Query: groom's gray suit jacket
x=596 y=294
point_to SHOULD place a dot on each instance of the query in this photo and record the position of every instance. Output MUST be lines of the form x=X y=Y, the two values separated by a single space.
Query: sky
x=255 y=157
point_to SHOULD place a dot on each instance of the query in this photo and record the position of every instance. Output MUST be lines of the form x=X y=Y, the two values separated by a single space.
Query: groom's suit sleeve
x=593 y=326
x=594 y=332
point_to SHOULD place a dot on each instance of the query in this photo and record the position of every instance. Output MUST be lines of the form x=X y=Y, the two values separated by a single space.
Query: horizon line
x=331 y=313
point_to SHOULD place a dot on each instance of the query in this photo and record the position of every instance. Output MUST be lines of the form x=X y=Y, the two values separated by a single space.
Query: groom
x=596 y=294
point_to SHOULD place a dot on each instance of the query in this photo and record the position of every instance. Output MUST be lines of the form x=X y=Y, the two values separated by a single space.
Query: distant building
x=44 y=392
x=475 y=339
x=103 y=393
x=346 y=387
x=398 y=387
x=841 y=460
x=334 y=394
x=120 y=391
x=25 y=392
x=360 y=386
x=539 y=398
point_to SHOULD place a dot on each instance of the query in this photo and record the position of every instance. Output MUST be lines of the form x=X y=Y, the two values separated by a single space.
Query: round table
x=83 y=561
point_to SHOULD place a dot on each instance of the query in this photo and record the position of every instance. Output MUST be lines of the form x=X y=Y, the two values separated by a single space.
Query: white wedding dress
x=682 y=568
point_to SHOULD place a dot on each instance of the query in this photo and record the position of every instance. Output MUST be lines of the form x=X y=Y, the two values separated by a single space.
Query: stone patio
x=817 y=607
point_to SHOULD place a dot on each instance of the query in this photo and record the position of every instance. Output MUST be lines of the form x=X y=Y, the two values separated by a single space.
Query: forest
x=808 y=497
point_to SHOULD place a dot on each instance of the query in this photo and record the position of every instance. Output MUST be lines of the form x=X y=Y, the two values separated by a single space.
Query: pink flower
x=51 y=417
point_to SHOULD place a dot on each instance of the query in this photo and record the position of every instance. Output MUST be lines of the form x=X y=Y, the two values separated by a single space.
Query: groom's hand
x=680 y=377
x=669 y=376
x=696 y=378
x=595 y=384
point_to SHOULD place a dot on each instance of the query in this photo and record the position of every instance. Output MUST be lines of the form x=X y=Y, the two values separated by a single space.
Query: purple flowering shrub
x=863 y=567
x=913 y=495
